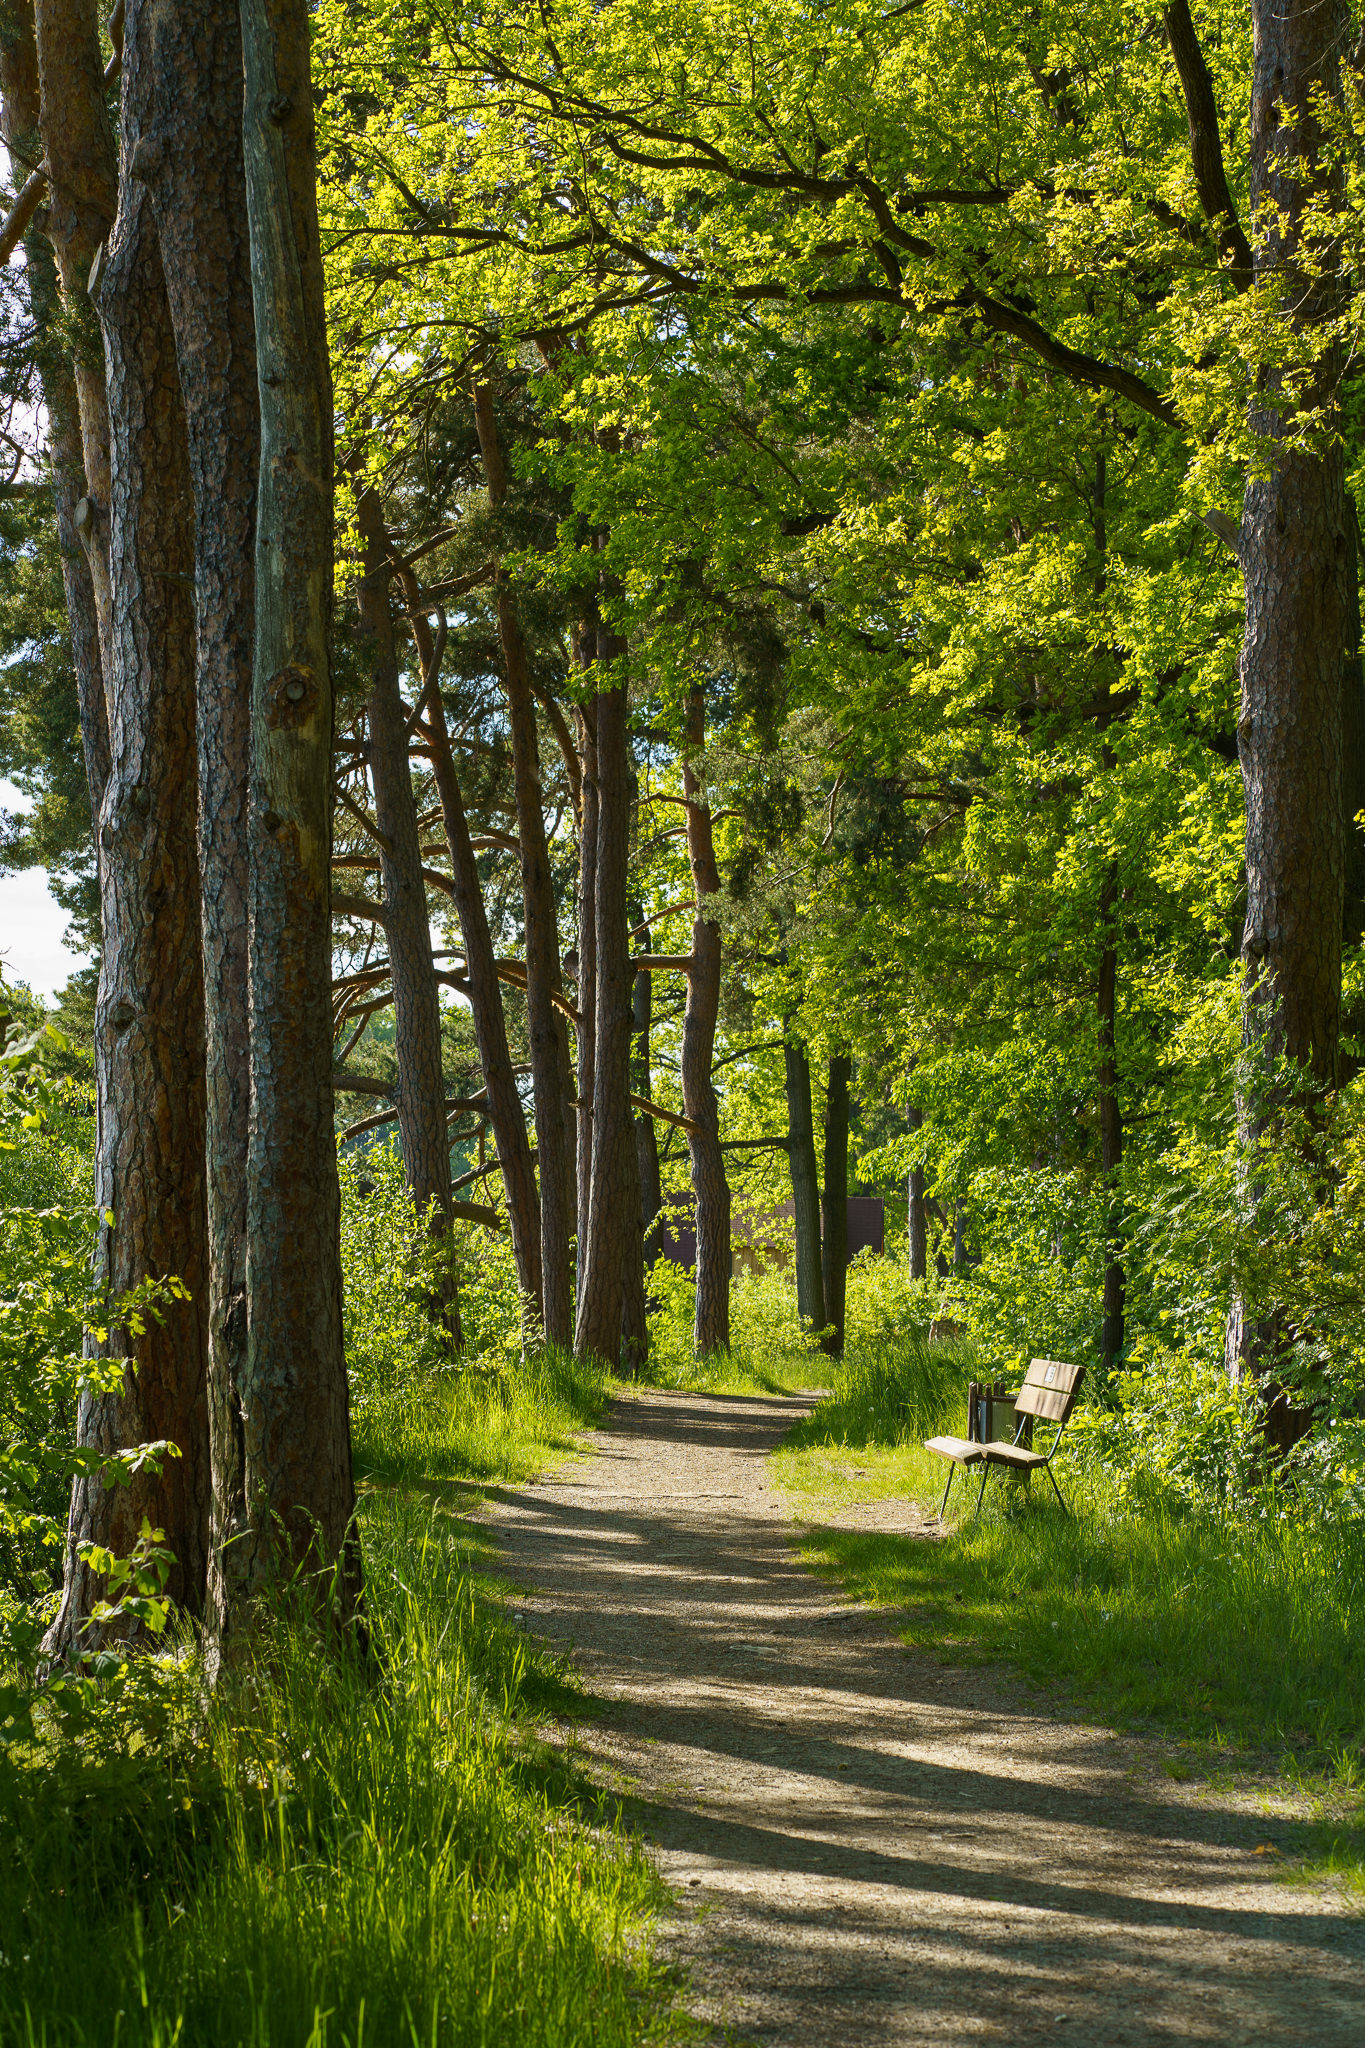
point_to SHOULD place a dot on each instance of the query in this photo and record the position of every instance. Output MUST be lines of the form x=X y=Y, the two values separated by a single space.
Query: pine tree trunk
x=543 y=978
x=287 y=1495
x=710 y=1186
x=1111 y=1127
x=183 y=99
x=641 y=1084
x=505 y=1112
x=149 y=1045
x=810 y=1279
x=917 y=1233
x=421 y=1095
x=836 y=1202
x=585 y=650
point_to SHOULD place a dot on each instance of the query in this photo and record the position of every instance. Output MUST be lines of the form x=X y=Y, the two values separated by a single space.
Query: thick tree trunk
x=1111 y=1128
x=836 y=1201
x=485 y=995
x=1295 y=554
x=285 y=1496
x=82 y=166
x=543 y=979
x=183 y=103
x=641 y=1084
x=917 y=1233
x=810 y=1279
x=149 y=1048
x=612 y=1267
x=421 y=1096
x=19 y=110
x=712 y=1189
x=585 y=652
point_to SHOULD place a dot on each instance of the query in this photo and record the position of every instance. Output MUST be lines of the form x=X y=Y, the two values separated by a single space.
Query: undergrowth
x=336 y=1849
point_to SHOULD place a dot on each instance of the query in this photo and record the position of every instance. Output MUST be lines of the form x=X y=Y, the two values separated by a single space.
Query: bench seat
x=957 y=1448
x=1013 y=1454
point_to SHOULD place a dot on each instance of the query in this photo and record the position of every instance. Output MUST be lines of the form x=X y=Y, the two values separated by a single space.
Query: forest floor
x=869 y=1845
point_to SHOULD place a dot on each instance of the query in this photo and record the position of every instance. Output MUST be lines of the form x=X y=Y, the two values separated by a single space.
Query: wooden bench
x=1049 y=1392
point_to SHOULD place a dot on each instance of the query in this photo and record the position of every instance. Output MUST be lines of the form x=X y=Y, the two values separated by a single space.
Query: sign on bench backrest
x=1050 y=1389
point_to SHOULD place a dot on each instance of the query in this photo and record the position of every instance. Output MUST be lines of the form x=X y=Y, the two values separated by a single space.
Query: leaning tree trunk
x=183 y=98
x=543 y=981
x=421 y=1095
x=712 y=1327
x=1293 y=546
x=284 y=1493
x=835 y=1262
x=612 y=1264
x=505 y=1112
x=810 y=1280
x=149 y=1046
x=1111 y=1127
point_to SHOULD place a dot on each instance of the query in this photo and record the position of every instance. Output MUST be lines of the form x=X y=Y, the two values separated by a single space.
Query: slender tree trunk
x=285 y=1493
x=421 y=1101
x=485 y=995
x=641 y=1084
x=543 y=979
x=1111 y=1127
x=585 y=652
x=149 y=1046
x=918 y=1232
x=1353 y=757
x=810 y=1279
x=183 y=100
x=712 y=1189
x=836 y=1201
x=1295 y=554
x=613 y=1266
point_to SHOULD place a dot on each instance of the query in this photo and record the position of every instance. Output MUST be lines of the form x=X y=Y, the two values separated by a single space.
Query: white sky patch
x=32 y=924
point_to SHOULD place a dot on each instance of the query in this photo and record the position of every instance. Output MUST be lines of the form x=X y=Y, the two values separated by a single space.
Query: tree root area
x=867 y=1845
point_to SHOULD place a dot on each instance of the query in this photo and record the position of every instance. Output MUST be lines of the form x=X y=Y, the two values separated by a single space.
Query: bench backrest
x=1050 y=1389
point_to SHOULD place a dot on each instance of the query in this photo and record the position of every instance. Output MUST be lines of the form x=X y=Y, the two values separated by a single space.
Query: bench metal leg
x=985 y=1475
x=952 y=1474
x=1057 y=1490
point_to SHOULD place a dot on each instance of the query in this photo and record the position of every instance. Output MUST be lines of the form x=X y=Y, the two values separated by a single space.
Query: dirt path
x=870 y=1847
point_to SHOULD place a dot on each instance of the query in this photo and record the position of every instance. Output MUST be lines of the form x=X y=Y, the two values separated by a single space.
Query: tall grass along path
x=887 y=1849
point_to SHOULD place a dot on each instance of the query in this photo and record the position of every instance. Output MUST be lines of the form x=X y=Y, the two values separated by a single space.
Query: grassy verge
x=1239 y=1638
x=332 y=1852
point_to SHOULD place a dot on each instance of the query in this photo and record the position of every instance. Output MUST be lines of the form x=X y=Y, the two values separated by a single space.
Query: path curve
x=888 y=1850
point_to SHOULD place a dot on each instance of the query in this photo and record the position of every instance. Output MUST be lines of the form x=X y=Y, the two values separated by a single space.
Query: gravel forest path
x=869 y=1846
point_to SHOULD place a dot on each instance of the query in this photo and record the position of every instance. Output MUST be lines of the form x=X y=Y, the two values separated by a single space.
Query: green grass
x=1242 y=1637
x=331 y=1851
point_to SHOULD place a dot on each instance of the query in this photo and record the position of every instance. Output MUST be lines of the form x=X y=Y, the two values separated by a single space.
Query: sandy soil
x=867 y=1845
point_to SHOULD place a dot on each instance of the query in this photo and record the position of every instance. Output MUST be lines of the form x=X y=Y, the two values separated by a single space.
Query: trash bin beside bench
x=1049 y=1392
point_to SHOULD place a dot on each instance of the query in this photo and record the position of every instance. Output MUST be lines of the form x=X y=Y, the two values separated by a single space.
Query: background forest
x=840 y=673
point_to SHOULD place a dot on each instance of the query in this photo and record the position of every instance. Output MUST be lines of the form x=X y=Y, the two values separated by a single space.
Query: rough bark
x=83 y=193
x=505 y=1112
x=917 y=1233
x=585 y=964
x=543 y=977
x=19 y=116
x=1111 y=1125
x=641 y=1084
x=810 y=1279
x=183 y=120
x=284 y=1494
x=421 y=1095
x=835 y=1262
x=612 y=1265
x=149 y=1050
x=1294 y=549
x=710 y=1186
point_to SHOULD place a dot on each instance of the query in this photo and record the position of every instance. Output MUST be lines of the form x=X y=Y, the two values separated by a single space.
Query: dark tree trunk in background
x=285 y=1494
x=19 y=109
x=1111 y=1126
x=836 y=1201
x=82 y=165
x=613 y=1269
x=918 y=1232
x=810 y=1279
x=585 y=652
x=1295 y=555
x=1353 y=760
x=485 y=995
x=641 y=1084
x=712 y=1189
x=149 y=1047
x=543 y=978
x=421 y=1100
x=183 y=102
